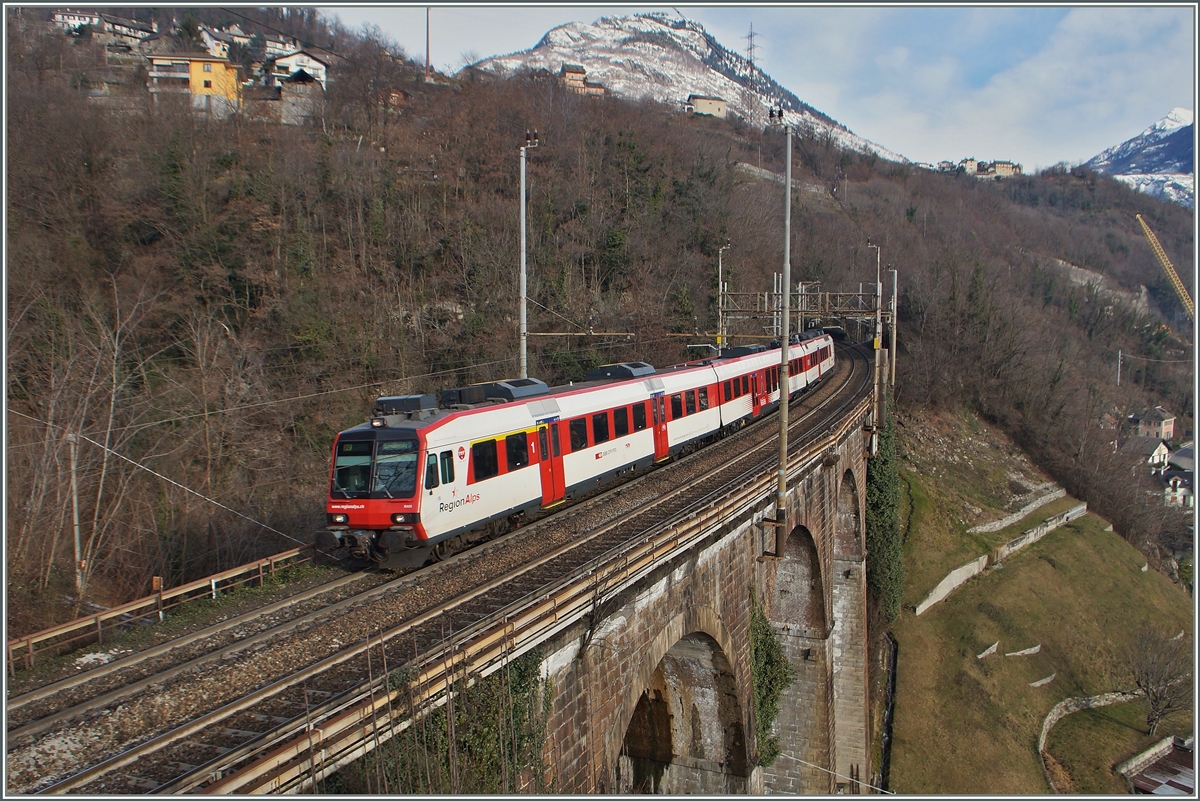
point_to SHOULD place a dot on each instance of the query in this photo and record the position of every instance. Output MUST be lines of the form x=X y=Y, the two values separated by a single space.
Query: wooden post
x=261 y=581
x=29 y=653
x=99 y=630
x=156 y=584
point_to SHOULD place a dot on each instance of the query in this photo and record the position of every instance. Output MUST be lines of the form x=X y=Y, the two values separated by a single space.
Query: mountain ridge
x=1160 y=161
x=669 y=58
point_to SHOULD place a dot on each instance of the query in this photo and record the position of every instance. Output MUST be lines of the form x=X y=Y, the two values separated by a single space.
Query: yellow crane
x=1172 y=276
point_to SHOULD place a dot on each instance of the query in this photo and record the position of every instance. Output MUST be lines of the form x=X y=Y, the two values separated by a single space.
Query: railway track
x=210 y=717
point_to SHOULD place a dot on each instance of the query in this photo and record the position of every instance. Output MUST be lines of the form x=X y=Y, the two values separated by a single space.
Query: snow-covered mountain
x=668 y=58
x=1159 y=161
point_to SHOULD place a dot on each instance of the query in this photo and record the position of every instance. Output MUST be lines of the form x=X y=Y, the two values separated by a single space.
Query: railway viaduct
x=652 y=691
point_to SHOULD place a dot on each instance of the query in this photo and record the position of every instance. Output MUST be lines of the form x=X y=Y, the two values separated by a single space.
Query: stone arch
x=847 y=528
x=799 y=585
x=683 y=722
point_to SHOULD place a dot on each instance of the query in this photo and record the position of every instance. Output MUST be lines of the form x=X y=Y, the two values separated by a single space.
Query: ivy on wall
x=885 y=567
x=772 y=674
x=488 y=739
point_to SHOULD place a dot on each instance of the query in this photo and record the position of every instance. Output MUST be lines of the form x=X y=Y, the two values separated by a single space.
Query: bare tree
x=1160 y=667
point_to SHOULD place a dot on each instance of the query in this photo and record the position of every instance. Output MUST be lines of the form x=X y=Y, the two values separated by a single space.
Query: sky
x=1037 y=85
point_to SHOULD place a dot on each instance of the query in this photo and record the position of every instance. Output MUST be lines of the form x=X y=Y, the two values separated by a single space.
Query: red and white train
x=422 y=478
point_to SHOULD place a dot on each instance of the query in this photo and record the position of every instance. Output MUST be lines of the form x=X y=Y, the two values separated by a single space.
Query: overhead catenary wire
x=847 y=778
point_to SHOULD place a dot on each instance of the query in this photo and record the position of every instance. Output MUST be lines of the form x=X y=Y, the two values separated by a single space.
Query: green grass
x=1090 y=744
x=965 y=725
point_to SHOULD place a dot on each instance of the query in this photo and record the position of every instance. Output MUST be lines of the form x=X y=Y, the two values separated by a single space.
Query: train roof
x=415 y=412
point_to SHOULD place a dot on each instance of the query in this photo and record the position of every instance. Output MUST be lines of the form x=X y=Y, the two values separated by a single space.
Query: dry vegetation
x=212 y=300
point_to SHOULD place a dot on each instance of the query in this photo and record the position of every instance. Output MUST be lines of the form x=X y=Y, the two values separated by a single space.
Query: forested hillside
x=204 y=303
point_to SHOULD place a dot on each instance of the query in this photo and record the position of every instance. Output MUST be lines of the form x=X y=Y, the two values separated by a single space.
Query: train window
x=396 y=468
x=728 y=391
x=516 y=448
x=689 y=398
x=639 y=416
x=620 y=422
x=554 y=439
x=431 y=471
x=676 y=407
x=351 y=467
x=579 y=434
x=447 y=467
x=600 y=427
x=483 y=457
x=703 y=398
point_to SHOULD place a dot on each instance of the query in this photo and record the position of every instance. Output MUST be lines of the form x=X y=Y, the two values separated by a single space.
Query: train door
x=756 y=400
x=553 y=480
x=662 y=447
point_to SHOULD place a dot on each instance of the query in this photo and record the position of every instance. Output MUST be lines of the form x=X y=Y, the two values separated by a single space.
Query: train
x=425 y=476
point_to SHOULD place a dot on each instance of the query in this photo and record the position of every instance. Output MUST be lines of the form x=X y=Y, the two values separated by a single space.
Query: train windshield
x=395 y=469
x=366 y=468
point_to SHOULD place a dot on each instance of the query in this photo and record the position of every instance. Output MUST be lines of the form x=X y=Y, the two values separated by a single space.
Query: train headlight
x=340 y=519
x=400 y=519
x=378 y=422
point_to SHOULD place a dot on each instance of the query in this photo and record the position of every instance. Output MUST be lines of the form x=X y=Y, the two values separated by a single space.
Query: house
x=573 y=76
x=1157 y=422
x=969 y=166
x=293 y=101
x=1183 y=459
x=398 y=97
x=703 y=104
x=69 y=20
x=945 y=166
x=300 y=60
x=1165 y=768
x=1177 y=489
x=1153 y=451
x=213 y=83
x=1005 y=169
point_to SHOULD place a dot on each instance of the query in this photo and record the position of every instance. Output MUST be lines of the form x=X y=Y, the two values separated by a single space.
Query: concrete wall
x=960 y=575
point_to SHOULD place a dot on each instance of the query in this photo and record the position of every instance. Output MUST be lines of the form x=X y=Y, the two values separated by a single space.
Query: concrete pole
x=530 y=141
x=524 y=329
x=75 y=519
x=879 y=337
x=895 y=310
x=781 y=530
x=721 y=298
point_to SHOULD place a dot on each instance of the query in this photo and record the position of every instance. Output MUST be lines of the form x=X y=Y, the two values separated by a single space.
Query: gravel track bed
x=73 y=747
x=81 y=693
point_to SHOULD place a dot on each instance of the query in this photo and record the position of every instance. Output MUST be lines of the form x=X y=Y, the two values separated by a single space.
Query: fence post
x=261 y=581
x=29 y=653
x=272 y=568
x=99 y=630
x=212 y=582
x=156 y=584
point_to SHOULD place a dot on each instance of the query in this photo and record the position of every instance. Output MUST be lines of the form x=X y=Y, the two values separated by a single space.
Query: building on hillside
x=70 y=20
x=945 y=166
x=1157 y=422
x=213 y=83
x=293 y=101
x=1184 y=458
x=703 y=104
x=106 y=28
x=1177 y=489
x=300 y=61
x=1151 y=450
x=969 y=166
x=573 y=75
x=1005 y=169
x=1165 y=768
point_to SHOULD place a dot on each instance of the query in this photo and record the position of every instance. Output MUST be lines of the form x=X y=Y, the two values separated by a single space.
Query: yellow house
x=214 y=83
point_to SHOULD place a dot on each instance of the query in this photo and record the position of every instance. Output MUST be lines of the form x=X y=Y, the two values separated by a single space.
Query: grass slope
x=966 y=725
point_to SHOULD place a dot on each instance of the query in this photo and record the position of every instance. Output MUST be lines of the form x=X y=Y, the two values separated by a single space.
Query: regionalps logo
x=450 y=507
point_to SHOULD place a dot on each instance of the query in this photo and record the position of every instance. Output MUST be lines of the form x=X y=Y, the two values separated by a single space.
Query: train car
x=424 y=478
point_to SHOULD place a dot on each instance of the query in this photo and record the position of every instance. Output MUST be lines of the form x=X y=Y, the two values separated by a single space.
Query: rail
x=362 y=718
x=92 y=627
